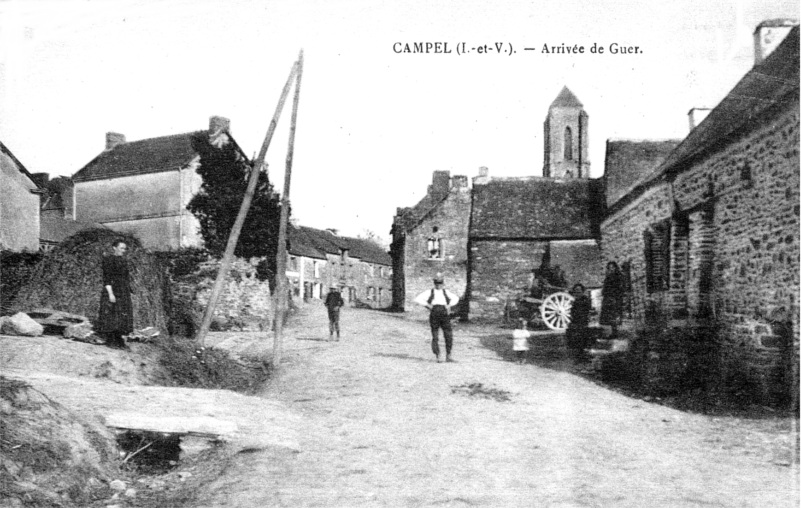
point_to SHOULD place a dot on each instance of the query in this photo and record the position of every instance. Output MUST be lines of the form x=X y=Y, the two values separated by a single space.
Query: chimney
x=440 y=184
x=459 y=181
x=41 y=179
x=219 y=124
x=483 y=176
x=113 y=139
x=697 y=115
x=769 y=34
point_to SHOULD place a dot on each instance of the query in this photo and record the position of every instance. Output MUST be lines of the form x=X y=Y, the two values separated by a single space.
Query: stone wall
x=500 y=271
x=735 y=243
x=373 y=284
x=448 y=222
x=244 y=305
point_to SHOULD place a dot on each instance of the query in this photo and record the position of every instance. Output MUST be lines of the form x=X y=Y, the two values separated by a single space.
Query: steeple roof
x=566 y=99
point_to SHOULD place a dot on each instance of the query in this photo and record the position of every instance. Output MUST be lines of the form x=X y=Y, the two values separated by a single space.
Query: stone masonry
x=735 y=242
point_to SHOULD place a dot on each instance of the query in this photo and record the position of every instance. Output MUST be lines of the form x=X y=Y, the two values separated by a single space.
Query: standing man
x=439 y=301
x=334 y=302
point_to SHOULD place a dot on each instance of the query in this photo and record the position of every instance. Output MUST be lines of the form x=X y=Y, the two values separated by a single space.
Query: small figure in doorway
x=613 y=293
x=577 y=335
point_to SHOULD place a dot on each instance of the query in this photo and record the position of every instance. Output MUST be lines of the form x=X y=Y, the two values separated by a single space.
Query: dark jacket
x=334 y=300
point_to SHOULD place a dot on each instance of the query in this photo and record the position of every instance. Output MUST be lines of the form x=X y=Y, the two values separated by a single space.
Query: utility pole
x=281 y=295
x=243 y=210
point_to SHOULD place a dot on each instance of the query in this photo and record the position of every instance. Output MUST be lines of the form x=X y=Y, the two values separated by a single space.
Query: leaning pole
x=281 y=295
x=243 y=210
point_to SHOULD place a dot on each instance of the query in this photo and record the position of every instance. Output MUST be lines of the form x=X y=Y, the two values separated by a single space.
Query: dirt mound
x=79 y=359
x=50 y=456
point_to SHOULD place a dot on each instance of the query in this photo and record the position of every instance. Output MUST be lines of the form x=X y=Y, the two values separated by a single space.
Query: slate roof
x=57 y=229
x=151 y=155
x=316 y=243
x=368 y=251
x=566 y=99
x=627 y=161
x=301 y=245
x=537 y=208
x=767 y=85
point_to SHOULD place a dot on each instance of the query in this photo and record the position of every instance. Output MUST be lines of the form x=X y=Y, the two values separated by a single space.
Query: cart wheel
x=555 y=310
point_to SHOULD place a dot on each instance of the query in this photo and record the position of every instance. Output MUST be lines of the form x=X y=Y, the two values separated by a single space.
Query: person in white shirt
x=439 y=301
x=520 y=341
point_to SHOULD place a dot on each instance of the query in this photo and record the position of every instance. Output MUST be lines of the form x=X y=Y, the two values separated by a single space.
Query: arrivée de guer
x=547 y=49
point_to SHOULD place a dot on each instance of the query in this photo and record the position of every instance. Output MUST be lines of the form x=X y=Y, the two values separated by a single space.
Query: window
x=293 y=264
x=657 y=257
x=568 y=144
x=316 y=265
x=434 y=247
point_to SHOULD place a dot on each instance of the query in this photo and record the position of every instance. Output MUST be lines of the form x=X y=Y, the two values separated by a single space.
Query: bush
x=70 y=278
x=16 y=269
x=182 y=262
x=193 y=367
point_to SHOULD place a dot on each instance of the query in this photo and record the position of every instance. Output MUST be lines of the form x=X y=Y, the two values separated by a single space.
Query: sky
x=373 y=124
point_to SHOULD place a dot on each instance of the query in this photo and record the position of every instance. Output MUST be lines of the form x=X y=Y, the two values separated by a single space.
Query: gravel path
x=385 y=425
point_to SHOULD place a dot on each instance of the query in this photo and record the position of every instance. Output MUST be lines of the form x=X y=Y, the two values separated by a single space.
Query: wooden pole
x=281 y=283
x=243 y=210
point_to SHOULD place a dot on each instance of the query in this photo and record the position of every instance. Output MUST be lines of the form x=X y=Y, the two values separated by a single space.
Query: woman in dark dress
x=116 y=309
x=577 y=336
x=613 y=293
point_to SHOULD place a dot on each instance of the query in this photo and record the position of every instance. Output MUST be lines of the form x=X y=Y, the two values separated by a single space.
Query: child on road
x=520 y=341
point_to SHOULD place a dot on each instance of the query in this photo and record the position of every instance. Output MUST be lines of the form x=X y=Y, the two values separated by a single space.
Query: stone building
x=142 y=187
x=19 y=205
x=522 y=224
x=321 y=259
x=487 y=239
x=431 y=237
x=709 y=232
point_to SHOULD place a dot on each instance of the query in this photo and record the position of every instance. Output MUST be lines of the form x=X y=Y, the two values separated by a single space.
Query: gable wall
x=151 y=206
x=19 y=209
x=452 y=218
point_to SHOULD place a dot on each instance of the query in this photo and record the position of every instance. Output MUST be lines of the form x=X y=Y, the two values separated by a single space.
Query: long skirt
x=115 y=318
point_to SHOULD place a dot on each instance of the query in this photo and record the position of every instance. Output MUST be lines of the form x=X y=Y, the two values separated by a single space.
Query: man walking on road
x=334 y=302
x=439 y=301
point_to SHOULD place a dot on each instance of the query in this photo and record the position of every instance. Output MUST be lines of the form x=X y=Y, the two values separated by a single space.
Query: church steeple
x=566 y=138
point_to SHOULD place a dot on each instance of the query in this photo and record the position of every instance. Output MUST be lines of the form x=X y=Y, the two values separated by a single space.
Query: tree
x=372 y=236
x=225 y=172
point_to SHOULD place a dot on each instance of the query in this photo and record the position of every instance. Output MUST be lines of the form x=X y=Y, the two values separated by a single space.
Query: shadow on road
x=547 y=350
x=401 y=356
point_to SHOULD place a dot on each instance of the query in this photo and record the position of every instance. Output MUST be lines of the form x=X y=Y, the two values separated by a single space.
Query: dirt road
x=385 y=425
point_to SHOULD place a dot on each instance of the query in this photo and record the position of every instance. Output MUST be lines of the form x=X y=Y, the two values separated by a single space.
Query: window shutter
x=657 y=257
x=648 y=240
